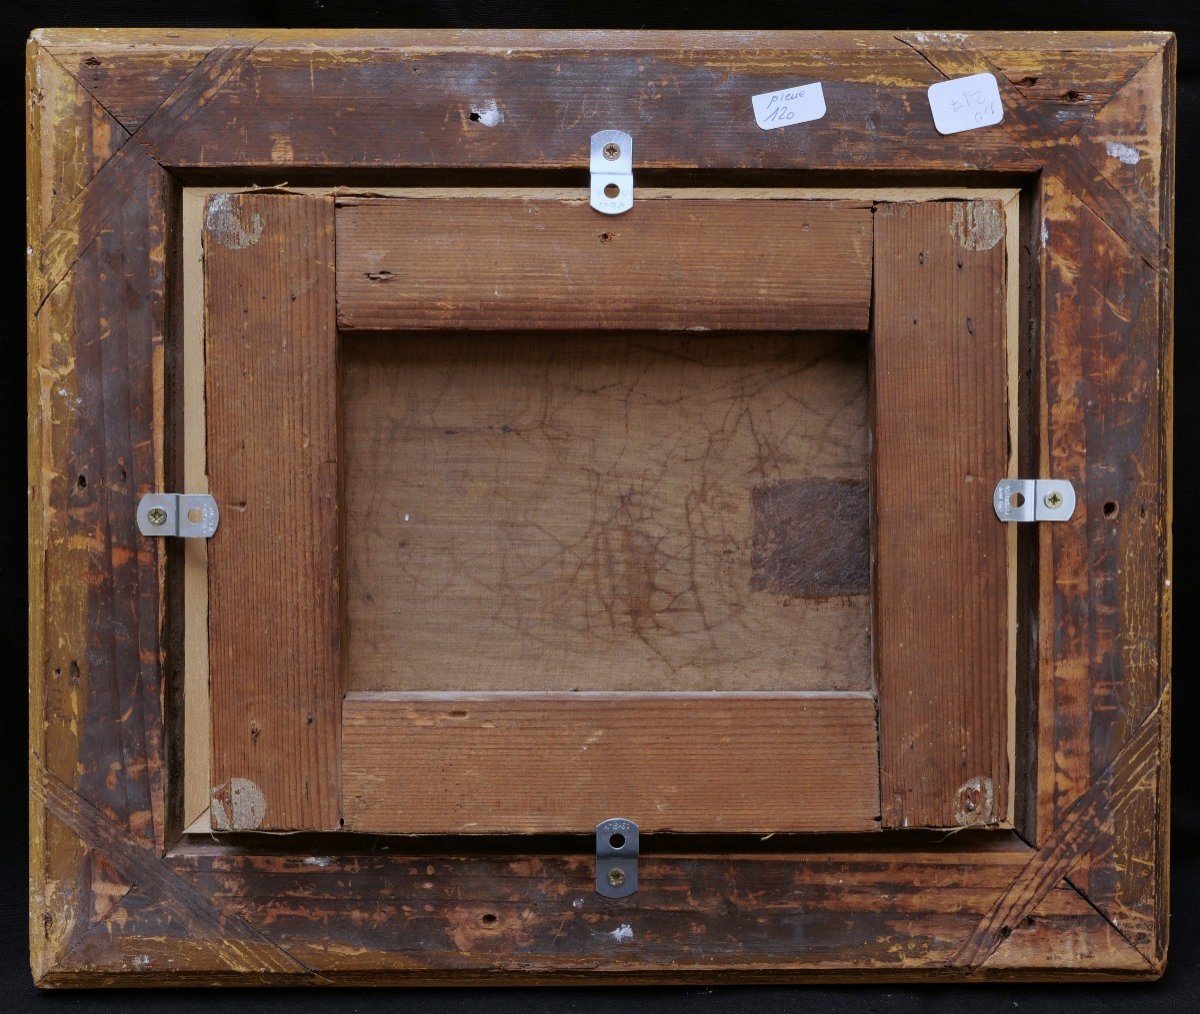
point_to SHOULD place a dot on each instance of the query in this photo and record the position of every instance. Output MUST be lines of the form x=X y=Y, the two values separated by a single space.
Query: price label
x=966 y=103
x=798 y=104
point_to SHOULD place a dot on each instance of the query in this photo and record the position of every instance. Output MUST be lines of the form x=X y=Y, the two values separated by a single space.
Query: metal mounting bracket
x=612 y=171
x=616 y=857
x=184 y=515
x=1034 y=500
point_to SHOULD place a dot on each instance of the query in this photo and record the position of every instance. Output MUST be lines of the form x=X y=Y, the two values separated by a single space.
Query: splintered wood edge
x=196 y=708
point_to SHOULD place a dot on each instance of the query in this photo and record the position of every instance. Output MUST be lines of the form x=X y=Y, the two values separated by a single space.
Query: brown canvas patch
x=811 y=538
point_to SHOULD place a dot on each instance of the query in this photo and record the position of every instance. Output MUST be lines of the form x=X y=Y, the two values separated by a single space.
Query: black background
x=1179 y=989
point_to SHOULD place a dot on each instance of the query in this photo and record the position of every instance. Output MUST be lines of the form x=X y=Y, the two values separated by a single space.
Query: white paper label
x=789 y=105
x=965 y=103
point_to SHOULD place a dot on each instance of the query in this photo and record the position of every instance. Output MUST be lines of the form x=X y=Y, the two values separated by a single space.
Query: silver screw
x=1053 y=500
x=156 y=516
x=616 y=878
x=612 y=151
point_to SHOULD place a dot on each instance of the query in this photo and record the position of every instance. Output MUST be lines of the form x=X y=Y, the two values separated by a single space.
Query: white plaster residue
x=141 y=962
x=321 y=861
x=977 y=225
x=487 y=113
x=238 y=805
x=622 y=932
x=222 y=223
x=1122 y=152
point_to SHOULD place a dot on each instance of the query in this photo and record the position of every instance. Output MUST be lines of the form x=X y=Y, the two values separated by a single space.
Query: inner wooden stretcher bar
x=598 y=496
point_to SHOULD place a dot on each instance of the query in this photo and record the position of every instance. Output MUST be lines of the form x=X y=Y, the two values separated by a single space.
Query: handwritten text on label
x=965 y=103
x=797 y=104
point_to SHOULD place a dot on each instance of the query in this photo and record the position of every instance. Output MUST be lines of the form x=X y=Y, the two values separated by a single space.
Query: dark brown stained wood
x=271 y=393
x=496 y=263
x=1030 y=126
x=229 y=942
x=64 y=170
x=90 y=214
x=131 y=71
x=538 y=914
x=1071 y=84
x=116 y=900
x=1125 y=139
x=941 y=569
x=605 y=512
x=877 y=81
x=95 y=445
x=1117 y=788
x=556 y=763
x=1102 y=593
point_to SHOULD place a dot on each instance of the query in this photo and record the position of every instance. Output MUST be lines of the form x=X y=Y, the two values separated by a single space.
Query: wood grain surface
x=1105 y=583
x=941 y=570
x=592 y=512
x=274 y=611
x=561 y=763
x=533 y=264
x=119 y=120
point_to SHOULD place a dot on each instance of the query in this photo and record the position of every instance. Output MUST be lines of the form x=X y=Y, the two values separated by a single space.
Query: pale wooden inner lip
x=196 y=709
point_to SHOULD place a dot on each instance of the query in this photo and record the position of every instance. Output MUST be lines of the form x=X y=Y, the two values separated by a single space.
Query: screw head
x=616 y=877
x=156 y=516
x=1053 y=500
x=612 y=151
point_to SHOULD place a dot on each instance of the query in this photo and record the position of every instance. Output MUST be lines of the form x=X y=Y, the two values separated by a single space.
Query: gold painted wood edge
x=541 y=40
x=1012 y=331
x=197 y=724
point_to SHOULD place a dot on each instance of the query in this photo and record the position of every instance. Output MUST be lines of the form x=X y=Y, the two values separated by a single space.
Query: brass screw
x=612 y=151
x=1053 y=500
x=156 y=516
x=616 y=878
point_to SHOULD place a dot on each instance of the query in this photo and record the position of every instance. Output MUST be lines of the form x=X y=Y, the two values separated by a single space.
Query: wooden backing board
x=515 y=263
x=526 y=763
x=197 y=775
x=942 y=585
x=274 y=609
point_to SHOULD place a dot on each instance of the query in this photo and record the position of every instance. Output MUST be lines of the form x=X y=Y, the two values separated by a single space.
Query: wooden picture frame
x=128 y=129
